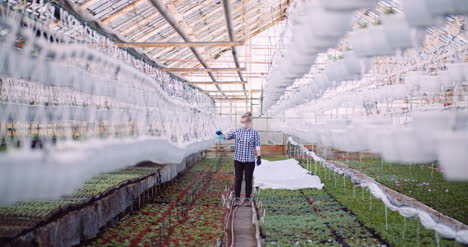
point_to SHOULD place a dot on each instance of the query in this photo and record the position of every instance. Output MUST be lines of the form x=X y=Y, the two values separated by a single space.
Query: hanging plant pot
x=460 y=7
x=446 y=80
x=381 y=46
x=427 y=125
x=465 y=71
x=342 y=71
x=356 y=140
x=361 y=42
x=456 y=72
x=337 y=137
x=370 y=43
x=322 y=82
x=390 y=147
x=349 y=5
x=417 y=13
x=447 y=7
x=325 y=138
x=314 y=44
x=398 y=91
x=298 y=71
x=413 y=80
x=327 y=24
x=411 y=149
x=461 y=121
x=352 y=62
x=440 y=8
x=453 y=156
x=430 y=84
x=397 y=32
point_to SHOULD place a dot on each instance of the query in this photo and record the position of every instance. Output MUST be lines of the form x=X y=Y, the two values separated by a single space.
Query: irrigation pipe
x=232 y=225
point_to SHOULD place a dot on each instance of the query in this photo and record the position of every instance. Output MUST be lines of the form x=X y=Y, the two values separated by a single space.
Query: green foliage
x=421 y=182
x=309 y=217
x=162 y=224
x=389 y=11
x=3 y=145
x=275 y=158
x=371 y=212
x=92 y=187
x=35 y=208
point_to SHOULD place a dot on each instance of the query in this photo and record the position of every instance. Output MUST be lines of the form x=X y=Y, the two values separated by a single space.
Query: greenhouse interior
x=233 y=123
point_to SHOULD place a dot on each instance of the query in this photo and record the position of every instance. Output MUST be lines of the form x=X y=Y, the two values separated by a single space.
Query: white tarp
x=284 y=174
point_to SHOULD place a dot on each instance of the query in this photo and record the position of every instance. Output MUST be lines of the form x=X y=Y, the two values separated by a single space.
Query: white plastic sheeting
x=426 y=219
x=284 y=174
x=34 y=175
x=427 y=136
x=314 y=26
x=91 y=110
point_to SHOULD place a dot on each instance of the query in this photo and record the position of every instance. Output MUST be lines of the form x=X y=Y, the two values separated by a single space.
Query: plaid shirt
x=246 y=142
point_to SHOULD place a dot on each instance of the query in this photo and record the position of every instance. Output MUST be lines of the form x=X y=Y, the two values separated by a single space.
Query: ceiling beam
x=233 y=91
x=88 y=4
x=227 y=12
x=147 y=19
x=218 y=82
x=266 y=19
x=201 y=69
x=248 y=76
x=150 y=30
x=209 y=18
x=211 y=61
x=182 y=44
x=205 y=31
x=125 y=10
x=237 y=98
x=139 y=24
x=169 y=12
x=88 y=20
x=251 y=35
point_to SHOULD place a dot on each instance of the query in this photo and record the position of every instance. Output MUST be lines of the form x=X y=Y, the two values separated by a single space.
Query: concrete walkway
x=244 y=230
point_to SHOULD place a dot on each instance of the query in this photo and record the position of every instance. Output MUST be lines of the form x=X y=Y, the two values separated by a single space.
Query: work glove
x=259 y=160
x=218 y=132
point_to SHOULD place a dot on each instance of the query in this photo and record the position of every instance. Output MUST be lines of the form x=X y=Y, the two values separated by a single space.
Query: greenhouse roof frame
x=164 y=29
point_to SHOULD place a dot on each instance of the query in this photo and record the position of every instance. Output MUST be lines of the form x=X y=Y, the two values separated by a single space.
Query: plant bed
x=371 y=212
x=422 y=182
x=92 y=188
x=309 y=217
x=102 y=201
x=186 y=212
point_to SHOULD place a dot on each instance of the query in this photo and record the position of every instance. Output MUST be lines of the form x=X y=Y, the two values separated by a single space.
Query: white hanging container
x=327 y=24
x=412 y=149
x=457 y=72
x=430 y=84
x=389 y=146
x=453 y=155
x=370 y=42
x=413 y=80
x=428 y=125
x=418 y=14
x=348 y=5
x=397 y=31
x=446 y=80
x=447 y=7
